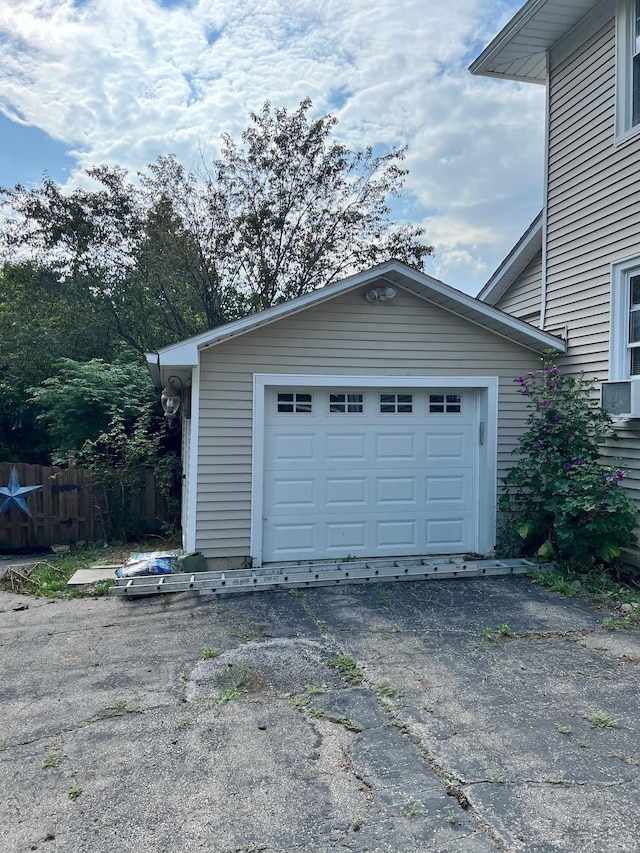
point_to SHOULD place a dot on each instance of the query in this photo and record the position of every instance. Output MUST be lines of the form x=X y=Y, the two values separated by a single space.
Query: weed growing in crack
x=495 y=635
x=385 y=690
x=601 y=720
x=347 y=667
x=555 y=780
x=74 y=792
x=230 y=694
x=564 y=730
x=410 y=809
x=55 y=754
x=390 y=633
x=635 y=762
x=208 y=653
x=356 y=823
x=123 y=706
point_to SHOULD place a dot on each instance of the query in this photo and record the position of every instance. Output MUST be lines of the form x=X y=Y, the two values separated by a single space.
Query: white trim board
x=487 y=458
x=189 y=535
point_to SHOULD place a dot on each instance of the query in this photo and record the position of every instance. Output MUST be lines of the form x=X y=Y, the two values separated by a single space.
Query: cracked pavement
x=455 y=716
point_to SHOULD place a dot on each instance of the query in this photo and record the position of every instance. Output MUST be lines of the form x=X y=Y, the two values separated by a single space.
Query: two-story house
x=576 y=270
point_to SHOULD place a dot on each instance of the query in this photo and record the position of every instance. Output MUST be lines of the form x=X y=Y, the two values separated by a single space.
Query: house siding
x=523 y=298
x=343 y=336
x=593 y=201
x=593 y=216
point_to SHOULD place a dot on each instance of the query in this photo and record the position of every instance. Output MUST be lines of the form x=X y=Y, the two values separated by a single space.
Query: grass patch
x=208 y=653
x=74 y=792
x=597 y=587
x=48 y=577
x=55 y=754
x=601 y=720
x=231 y=694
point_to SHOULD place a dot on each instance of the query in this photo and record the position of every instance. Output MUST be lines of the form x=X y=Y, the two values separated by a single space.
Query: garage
x=369 y=472
x=338 y=425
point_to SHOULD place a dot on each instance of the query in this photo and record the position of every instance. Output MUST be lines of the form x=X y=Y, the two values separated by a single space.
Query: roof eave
x=514 y=263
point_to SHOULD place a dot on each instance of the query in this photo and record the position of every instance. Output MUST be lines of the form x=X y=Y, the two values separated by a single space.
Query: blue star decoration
x=14 y=494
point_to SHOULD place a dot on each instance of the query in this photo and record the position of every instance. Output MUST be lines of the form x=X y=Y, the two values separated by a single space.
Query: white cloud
x=122 y=82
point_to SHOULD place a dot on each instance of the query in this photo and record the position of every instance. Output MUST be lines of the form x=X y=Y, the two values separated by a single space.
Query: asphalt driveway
x=464 y=716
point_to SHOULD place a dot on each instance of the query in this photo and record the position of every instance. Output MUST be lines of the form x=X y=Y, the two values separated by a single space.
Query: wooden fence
x=70 y=508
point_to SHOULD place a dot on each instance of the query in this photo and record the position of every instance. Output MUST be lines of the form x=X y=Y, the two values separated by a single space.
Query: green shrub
x=558 y=497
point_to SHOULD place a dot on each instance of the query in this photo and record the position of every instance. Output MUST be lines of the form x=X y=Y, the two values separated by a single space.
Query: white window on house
x=346 y=404
x=396 y=404
x=294 y=403
x=624 y=345
x=634 y=325
x=628 y=68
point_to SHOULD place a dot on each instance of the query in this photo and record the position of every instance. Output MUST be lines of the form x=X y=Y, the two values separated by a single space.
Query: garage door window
x=396 y=404
x=346 y=404
x=444 y=404
x=294 y=403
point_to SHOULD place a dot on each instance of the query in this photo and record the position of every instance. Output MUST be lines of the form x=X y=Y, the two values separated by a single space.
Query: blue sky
x=85 y=82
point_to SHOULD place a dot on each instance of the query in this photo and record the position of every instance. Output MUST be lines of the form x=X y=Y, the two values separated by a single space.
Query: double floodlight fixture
x=380 y=294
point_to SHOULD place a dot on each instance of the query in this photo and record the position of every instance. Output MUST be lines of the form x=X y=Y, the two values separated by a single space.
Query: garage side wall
x=405 y=336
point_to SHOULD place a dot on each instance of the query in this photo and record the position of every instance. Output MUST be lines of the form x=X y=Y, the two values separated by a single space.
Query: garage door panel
x=286 y=540
x=449 y=489
x=448 y=532
x=346 y=492
x=401 y=533
x=395 y=446
x=342 y=536
x=345 y=448
x=391 y=491
x=294 y=446
x=451 y=447
x=292 y=492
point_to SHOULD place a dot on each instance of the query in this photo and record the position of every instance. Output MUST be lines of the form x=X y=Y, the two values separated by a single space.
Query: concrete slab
x=85 y=577
x=467 y=717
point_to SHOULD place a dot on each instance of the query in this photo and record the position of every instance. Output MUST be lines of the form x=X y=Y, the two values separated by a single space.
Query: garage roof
x=519 y=51
x=186 y=353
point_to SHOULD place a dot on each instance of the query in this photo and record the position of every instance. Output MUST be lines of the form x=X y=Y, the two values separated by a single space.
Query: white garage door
x=369 y=472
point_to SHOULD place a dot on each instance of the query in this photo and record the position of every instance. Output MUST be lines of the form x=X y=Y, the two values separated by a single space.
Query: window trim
x=621 y=274
x=625 y=36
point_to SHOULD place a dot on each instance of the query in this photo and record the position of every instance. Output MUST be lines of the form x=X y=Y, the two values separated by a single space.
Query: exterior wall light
x=380 y=294
x=171 y=397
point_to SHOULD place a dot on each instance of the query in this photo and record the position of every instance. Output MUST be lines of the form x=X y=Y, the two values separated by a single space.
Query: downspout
x=545 y=196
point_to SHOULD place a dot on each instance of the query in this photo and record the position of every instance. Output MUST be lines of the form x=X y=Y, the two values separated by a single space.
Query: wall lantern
x=171 y=397
x=380 y=294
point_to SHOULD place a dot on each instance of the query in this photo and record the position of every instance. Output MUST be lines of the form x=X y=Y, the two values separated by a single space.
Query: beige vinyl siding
x=593 y=216
x=345 y=336
x=593 y=203
x=524 y=295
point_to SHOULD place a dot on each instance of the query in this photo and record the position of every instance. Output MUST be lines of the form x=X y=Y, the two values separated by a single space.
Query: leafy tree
x=42 y=319
x=301 y=210
x=80 y=400
x=106 y=416
x=560 y=500
x=282 y=212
